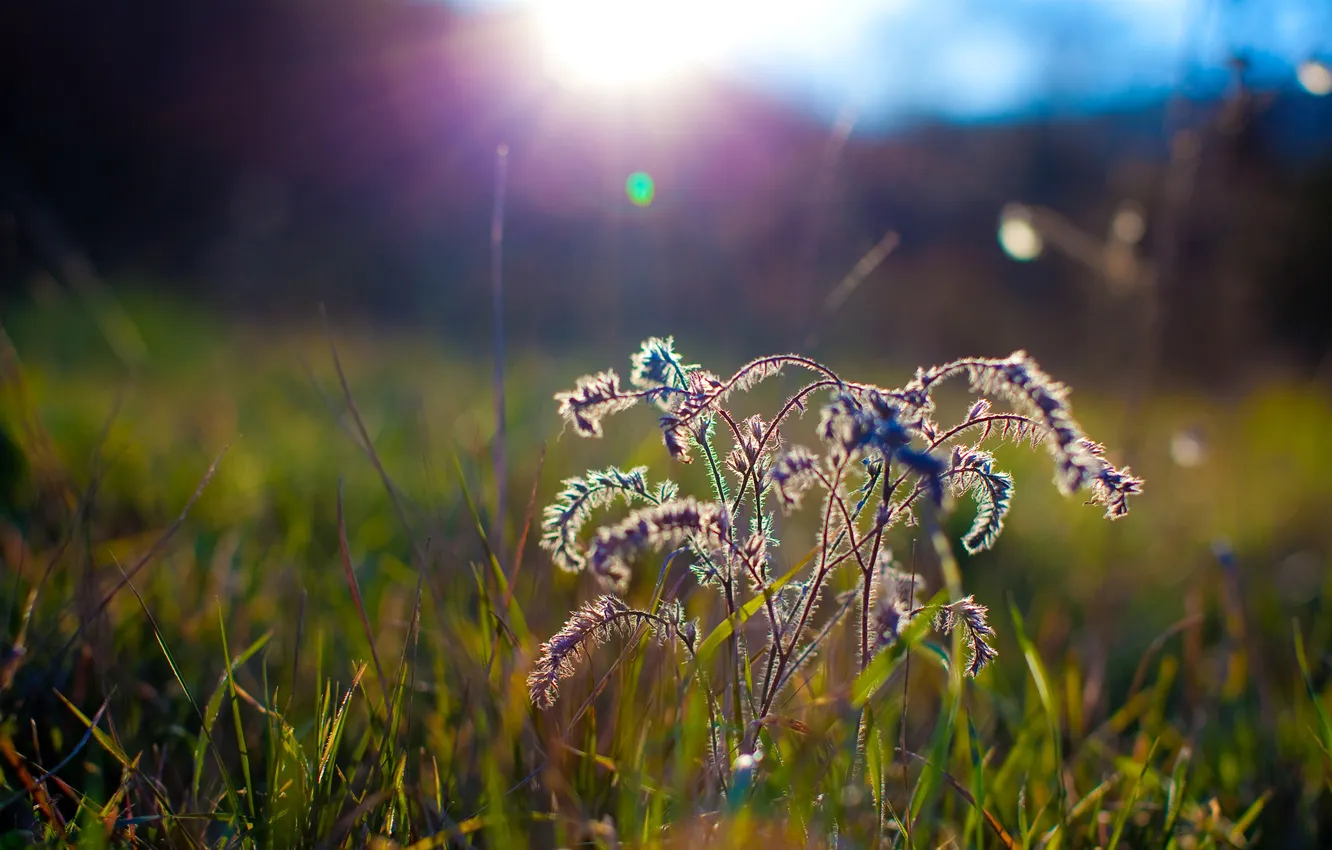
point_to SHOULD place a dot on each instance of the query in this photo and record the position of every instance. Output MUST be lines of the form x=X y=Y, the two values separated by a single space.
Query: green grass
x=243 y=696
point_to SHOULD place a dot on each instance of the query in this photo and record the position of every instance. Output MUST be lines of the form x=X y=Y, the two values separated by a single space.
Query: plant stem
x=497 y=306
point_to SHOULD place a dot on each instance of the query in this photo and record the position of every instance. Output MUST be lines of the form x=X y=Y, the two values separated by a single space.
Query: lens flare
x=640 y=188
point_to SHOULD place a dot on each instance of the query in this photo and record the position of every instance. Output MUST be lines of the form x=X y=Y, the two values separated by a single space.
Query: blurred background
x=1137 y=192
x=263 y=157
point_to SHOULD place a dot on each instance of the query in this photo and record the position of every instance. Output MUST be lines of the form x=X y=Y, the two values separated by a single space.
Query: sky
x=957 y=60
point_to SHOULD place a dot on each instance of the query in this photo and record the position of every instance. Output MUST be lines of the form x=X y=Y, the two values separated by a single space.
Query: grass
x=301 y=663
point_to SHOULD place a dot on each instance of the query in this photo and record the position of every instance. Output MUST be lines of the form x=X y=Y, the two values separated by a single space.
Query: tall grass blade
x=1175 y=797
x=516 y=622
x=349 y=571
x=158 y=545
x=1043 y=692
x=241 y=744
x=1324 y=721
x=1126 y=808
x=233 y=796
x=214 y=705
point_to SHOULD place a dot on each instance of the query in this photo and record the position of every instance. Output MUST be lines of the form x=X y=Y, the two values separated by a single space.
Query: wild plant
x=882 y=461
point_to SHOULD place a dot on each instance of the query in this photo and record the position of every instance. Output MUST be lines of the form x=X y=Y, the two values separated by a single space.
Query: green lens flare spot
x=640 y=188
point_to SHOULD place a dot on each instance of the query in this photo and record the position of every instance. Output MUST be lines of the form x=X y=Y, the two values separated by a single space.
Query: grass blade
x=1324 y=722
x=233 y=797
x=214 y=705
x=517 y=623
x=882 y=665
x=1126 y=810
x=236 y=717
x=1038 y=675
x=1247 y=819
x=147 y=557
x=345 y=551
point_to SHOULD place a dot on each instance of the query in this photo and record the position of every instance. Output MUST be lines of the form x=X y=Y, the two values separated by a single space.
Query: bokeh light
x=640 y=188
x=1315 y=77
x=1129 y=224
x=1018 y=237
x=1187 y=448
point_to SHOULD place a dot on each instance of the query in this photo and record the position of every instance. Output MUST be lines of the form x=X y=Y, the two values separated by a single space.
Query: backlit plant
x=882 y=460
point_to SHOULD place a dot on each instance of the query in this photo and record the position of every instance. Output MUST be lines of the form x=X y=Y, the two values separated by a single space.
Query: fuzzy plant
x=881 y=460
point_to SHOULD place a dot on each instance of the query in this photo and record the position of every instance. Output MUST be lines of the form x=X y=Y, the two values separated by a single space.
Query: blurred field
x=1164 y=644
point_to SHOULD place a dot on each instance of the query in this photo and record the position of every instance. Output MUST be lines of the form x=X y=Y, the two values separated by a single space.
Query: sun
x=622 y=44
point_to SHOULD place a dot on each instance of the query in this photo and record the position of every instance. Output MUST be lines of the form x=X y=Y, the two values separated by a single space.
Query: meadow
x=255 y=599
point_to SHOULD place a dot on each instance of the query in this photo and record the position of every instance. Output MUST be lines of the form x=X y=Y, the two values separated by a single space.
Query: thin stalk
x=761 y=579
x=771 y=430
x=497 y=302
x=728 y=584
x=867 y=584
x=819 y=576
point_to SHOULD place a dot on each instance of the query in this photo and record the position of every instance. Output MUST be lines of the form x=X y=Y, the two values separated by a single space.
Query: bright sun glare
x=619 y=44
x=632 y=44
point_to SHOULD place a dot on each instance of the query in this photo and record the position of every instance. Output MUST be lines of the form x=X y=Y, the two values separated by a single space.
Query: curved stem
x=982 y=420
x=772 y=427
x=957 y=367
x=815 y=586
